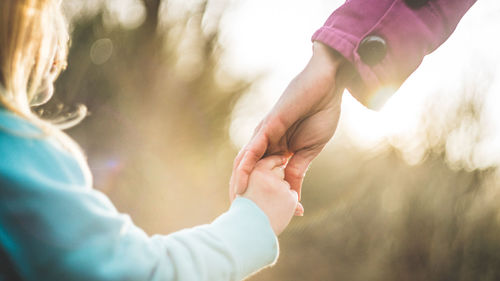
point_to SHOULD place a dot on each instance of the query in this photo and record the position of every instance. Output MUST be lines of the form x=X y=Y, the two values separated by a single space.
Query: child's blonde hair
x=33 y=42
x=33 y=45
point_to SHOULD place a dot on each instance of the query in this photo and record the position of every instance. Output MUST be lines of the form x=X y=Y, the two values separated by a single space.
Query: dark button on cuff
x=372 y=49
x=415 y=4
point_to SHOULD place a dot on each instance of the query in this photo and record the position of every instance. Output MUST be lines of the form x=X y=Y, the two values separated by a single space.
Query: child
x=54 y=226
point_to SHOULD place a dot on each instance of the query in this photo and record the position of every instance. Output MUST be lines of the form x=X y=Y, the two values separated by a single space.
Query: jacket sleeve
x=53 y=227
x=386 y=40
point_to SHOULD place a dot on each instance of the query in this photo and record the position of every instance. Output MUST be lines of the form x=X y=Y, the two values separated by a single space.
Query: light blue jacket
x=54 y=226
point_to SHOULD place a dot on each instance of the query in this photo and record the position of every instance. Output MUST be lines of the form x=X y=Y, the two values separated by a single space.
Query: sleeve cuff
x=405 y=35
x=246 y=230
x=363 y=86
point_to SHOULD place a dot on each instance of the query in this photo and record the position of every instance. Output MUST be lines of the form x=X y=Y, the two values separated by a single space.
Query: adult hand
x=301 y=123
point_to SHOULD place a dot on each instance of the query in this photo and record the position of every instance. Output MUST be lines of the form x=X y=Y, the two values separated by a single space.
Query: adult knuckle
x=252 y=153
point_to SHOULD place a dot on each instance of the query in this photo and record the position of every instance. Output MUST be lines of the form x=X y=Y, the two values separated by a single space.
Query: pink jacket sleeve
x=386 y=40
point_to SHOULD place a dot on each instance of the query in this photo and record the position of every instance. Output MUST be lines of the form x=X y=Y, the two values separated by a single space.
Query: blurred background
x=174 y=88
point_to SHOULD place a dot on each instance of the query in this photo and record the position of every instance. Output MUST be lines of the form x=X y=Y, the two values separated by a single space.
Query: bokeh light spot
x=101 y=51
x=130 y=14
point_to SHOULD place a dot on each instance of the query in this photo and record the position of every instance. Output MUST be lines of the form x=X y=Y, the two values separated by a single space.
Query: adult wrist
x=327 y=58
x=332 y=63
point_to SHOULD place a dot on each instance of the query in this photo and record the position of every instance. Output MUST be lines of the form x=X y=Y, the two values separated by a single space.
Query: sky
x=271 y=40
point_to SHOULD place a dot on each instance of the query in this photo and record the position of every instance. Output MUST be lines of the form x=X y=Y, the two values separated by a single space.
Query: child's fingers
x=271 y=162
x=299 y=210
x=279 y=171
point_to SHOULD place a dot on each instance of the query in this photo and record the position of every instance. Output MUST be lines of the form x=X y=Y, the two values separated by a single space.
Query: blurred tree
x=156 y=137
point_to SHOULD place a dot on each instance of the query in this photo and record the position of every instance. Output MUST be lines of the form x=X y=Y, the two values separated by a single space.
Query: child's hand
x=268 y=189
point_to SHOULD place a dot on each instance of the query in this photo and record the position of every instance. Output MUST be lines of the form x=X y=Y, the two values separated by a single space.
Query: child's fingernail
x=299 y=210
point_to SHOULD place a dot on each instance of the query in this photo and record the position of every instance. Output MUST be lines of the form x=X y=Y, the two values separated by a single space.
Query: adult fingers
x=241 y=153
x=296 y=169
x=236 y=163
x=250 y=155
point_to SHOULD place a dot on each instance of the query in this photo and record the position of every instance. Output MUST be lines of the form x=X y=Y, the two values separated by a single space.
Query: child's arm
x=52 y=232
x=53 y=226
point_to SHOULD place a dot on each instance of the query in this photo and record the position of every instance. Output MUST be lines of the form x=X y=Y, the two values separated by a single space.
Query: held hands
x=301 y=123
x=268 y=189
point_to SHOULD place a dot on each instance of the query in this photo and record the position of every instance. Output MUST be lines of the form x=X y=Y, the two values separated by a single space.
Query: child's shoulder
x=11 y=125
x=25 y=150
x=18 y=139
